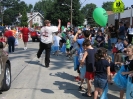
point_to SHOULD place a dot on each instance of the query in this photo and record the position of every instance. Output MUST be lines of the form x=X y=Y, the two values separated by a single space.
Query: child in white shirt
x=56 y=40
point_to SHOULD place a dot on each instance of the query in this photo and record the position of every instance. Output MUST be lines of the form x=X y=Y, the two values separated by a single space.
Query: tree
x=12 y=11
x=107 y=5
x=24 y=18
x=53 y=10
x=87 y=11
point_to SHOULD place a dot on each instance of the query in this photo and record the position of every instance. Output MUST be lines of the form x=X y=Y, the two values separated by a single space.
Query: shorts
x=56 y=48
x=71 y=48
x=82 y=72
x=89 y=75
x=113 y=73
x=100 y=83
x=113 y=40
x=25 y=38
x=68 y=49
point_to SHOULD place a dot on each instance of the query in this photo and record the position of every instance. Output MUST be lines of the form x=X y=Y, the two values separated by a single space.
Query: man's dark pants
x=11 y=44
x=47 y=48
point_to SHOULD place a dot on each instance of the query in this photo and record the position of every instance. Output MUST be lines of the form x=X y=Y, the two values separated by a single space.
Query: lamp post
x=71 y=9
x=131 y=15
x=71 y=13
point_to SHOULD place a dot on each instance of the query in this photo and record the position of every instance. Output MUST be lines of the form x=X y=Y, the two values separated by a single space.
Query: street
x=31 y=80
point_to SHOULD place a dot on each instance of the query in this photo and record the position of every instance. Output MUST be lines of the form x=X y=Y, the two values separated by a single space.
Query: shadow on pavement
x=63 y=75
x=35 y=63
x=112 y=97
x=47 y=91
x=69 y=88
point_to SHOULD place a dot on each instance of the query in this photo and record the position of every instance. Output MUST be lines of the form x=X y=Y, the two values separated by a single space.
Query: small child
x=102 y=73
x=112 y=68
x=82 y=71
x=119 y=45
x=68 y=46
x=89 y=61
x=56 y=41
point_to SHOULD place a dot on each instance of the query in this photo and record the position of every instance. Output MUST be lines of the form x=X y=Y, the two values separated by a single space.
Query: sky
x=127 y=3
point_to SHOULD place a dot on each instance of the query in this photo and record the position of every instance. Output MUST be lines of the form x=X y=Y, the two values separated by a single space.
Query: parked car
x=5 y=69
x=35 y=35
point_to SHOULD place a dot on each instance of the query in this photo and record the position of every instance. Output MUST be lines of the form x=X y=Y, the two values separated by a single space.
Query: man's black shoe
x=47 y=66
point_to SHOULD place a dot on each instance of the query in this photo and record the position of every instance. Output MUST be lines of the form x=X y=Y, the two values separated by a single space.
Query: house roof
x=33 y=15
x=110 y=12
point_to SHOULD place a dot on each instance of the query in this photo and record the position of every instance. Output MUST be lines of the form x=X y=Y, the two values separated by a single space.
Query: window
x=35 y=19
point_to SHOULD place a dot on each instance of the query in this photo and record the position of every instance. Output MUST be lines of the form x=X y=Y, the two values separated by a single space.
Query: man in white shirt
x=47 y=39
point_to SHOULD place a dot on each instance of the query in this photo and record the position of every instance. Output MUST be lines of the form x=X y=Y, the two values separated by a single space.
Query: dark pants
x=130 y=38
x=11 y=44
x=47 y=48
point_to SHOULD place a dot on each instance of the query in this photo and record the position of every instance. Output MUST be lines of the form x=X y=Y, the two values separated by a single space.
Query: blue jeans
x=113 y=40
x=109 y=44
x=11 y=44
x=100 y=83
x=122 y=37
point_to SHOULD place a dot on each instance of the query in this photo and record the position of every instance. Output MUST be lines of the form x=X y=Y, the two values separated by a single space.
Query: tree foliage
x=54 y=10
x=12 y=10
x=107 y=5
x=24 y=18
x=87 y=11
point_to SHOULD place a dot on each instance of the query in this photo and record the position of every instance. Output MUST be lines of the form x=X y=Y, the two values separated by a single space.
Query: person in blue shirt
x=100 y=39
x=121 y=31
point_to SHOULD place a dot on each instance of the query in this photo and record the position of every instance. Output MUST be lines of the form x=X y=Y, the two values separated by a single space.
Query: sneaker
x=80 y=88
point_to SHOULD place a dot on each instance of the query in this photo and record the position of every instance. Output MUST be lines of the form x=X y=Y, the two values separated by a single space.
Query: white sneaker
x=25 y=48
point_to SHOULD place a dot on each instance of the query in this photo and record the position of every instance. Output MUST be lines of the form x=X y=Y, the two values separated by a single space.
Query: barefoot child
x=88 y=60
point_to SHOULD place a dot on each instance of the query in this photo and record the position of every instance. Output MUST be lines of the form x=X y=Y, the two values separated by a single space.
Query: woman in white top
x=130 y=33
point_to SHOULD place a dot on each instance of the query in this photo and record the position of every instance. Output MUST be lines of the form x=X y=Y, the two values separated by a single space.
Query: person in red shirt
x=25 y=32
x=10 y=40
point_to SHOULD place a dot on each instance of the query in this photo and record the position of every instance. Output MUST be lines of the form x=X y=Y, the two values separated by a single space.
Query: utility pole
x=71 y=13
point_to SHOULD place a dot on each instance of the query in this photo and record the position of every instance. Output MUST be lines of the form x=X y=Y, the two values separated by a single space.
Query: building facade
x=126 y=17
x=35 y=18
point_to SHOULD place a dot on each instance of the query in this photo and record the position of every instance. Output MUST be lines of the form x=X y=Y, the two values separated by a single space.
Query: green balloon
x=100 y=16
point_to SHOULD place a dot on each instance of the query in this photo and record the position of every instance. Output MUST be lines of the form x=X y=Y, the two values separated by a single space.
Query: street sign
x=118 y=6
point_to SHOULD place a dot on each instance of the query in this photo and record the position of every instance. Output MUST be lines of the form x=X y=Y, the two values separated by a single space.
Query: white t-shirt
x=119 y=46
x=56 y=40
x=130 y=30
x=71 y=39
x=46 y=34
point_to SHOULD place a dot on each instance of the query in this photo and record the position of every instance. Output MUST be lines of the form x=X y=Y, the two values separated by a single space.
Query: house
x=35 y=18
x=125 y=17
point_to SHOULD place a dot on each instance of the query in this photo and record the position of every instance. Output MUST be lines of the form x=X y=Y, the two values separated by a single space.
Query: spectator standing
x=130 y=33
x=10 y=40
x=121 y=31
x=25 y=32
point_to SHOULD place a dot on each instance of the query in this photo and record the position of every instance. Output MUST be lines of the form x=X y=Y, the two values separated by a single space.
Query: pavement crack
x=23 y=69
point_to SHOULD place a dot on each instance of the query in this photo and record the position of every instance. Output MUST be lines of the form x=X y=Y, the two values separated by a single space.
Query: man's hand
x=59 y=20
x=79 y=31
x=131 y=75
x=123 y=73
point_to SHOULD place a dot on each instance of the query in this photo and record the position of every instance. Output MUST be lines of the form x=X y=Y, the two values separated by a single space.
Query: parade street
x=31 y=80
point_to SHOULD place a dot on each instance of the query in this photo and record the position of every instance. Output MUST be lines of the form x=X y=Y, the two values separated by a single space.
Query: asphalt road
x=31 y=80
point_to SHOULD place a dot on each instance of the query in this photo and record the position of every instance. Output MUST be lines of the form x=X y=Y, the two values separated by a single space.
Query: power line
x=83 y=3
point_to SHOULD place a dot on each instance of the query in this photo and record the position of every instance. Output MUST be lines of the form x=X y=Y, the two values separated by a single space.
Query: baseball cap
x=46 y=21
